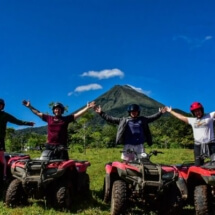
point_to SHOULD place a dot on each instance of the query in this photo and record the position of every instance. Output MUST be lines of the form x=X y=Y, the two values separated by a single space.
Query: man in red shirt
x=58 y=124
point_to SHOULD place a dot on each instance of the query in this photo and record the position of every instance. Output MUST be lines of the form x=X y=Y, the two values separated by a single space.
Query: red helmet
x=195 y=106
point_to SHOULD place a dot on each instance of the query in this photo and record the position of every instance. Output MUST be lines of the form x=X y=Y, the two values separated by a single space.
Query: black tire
x=202 y=200
x=63 y=198
x=118 y=198
x=15 y=195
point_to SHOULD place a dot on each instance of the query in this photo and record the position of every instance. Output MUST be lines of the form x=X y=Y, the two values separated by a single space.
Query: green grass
x=98 y=158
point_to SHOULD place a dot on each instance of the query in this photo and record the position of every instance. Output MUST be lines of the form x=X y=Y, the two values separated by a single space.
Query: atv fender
x=107 y=184
x=108 y=181
x=108 y=168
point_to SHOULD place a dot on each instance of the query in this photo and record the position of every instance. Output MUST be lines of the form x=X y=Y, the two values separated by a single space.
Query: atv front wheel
x=63 y=197
x=15 y=194
x=118 y=197
x=202 y=200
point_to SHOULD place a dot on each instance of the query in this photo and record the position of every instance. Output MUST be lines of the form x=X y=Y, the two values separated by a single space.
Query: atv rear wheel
x=15 y=194
x=63 y=197
x=202 y=200
x=118 y=197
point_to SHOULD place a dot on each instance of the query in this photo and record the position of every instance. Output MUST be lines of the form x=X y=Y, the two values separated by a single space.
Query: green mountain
x=118 y=98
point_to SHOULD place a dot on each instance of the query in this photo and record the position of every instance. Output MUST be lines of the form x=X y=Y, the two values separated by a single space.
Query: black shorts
x=60 y=154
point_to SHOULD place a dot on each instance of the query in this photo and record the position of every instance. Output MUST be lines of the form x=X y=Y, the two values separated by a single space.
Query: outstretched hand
x=26 y=103
x=162 y=109
x=98 y=109
x=91 y=104
x=168 y=109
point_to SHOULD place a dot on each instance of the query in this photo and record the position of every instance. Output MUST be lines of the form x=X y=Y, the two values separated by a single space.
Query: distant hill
x=39 y=130
x=115 y=102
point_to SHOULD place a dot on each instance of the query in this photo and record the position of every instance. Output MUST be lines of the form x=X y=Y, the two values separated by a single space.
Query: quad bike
x=10 y=158
x=150 y=186
x=48 y=178
x=200 y=181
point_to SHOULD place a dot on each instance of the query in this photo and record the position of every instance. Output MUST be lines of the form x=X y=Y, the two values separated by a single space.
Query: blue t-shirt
x=134 y=132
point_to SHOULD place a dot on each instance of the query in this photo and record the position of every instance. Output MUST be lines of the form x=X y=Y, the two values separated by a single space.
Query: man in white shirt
x=203 y=130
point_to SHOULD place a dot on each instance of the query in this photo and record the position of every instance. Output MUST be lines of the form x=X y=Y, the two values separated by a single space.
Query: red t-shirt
x=57 y=128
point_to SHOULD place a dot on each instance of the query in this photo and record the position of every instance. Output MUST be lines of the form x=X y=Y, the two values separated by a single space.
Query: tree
x=109 y=135
x=79 y=132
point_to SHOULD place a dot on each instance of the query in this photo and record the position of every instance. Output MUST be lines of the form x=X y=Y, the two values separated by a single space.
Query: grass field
x=94 y=206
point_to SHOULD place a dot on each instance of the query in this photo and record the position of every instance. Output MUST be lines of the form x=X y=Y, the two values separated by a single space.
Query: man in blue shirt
x=133 y=130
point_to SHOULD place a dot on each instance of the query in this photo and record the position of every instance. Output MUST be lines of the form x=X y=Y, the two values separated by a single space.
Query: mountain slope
x=118 y=98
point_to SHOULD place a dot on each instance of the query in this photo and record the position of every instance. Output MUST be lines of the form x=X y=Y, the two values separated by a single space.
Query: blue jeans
x=197 y=153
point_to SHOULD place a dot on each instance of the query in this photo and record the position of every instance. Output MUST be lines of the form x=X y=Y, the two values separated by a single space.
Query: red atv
x=150 y=186
x=10 y=158
x=55 y=180
x=200 y=182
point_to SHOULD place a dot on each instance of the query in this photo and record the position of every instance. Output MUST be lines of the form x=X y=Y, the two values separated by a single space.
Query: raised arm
x=177 y=115
x=82 y=111
x=107 y=117
x=16 y=121
x=34 y=110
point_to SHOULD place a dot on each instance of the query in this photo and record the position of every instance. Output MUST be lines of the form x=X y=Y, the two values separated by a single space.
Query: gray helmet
x=133 y=107
x=2 y=102
x=58 y=104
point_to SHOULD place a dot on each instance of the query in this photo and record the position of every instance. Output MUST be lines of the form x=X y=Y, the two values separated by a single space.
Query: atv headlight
x=51 y=171
x=168 y=176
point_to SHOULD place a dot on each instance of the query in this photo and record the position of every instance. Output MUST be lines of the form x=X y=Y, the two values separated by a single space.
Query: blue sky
x=73 y=51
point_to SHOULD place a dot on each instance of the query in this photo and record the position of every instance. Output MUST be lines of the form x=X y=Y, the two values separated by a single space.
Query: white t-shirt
x=202 y=128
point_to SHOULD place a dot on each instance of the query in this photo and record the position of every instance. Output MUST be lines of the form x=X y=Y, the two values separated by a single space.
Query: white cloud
x=208 y=37
x=104 y=74
x=193 y=42
x=140 y=90
x=83 y=88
